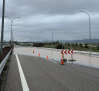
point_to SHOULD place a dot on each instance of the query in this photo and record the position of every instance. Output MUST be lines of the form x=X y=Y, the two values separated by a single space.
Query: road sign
x=72 y=52
x=67 y=52
x=62 y=51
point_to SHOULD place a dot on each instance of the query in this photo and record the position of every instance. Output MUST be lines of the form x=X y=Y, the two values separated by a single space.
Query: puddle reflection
x=87 y=60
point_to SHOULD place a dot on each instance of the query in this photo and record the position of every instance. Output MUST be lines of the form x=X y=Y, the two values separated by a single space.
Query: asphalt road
x=45 y=75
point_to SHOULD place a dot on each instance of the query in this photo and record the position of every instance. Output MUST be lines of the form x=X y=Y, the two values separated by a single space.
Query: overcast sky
x=62 y=16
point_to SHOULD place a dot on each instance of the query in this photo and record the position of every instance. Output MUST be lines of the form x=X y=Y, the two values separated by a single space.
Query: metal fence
x=85 y=53
x=2 y=64
x=75 y=52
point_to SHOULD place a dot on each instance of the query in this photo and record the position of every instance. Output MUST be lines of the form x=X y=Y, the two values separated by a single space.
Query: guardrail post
x=2 y=28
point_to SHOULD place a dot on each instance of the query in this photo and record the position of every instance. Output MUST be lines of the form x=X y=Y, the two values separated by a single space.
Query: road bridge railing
x=2 y=64
x=75 y=51
x=86 y=53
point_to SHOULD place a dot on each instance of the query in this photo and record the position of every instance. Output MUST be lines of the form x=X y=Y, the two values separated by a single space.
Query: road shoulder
x=13 y=82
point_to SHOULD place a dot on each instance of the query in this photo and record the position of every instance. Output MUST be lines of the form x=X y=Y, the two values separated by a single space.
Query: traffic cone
x=62 y=61
x=39 y=54
x=47 y=57
x=33 y=51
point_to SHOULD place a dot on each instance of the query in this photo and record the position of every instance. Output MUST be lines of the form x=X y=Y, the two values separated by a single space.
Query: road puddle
x=86 y=60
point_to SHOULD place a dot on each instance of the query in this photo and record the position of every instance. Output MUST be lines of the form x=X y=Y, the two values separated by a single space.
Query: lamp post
x=52 y=41
x=74 y=39
x=89 y=30
x=52 y=37
x=83 y=39
x=65 y=40
x=12 y=33
x=11 y=26
x=2 y=28
x=38 y=39
x=14 y=29
x=31 y=39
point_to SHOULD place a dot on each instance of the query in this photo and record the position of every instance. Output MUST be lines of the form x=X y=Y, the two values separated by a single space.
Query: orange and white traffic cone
x=39 y=54
x=33 y=51
x=47 y=57
x=62 y=61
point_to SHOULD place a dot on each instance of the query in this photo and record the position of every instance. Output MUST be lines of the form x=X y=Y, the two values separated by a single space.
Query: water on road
x=86 y=60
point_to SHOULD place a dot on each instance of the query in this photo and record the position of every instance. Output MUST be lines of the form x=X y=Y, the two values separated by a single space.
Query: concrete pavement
x=13 y=82
x=45 y=75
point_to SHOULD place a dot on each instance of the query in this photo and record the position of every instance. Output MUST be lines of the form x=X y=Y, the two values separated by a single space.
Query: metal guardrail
x=2 y=64
x=93 y=54
x=82 y=53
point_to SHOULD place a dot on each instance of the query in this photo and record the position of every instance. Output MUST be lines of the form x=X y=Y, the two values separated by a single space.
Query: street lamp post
x=74 y=39
x=12 y=33
x=2 y=28
x=38 y=40
x=52 y=42
x=65 y=40
x=83 y=39
x=52 y=37
x=89 y=30
x=11 y=26
x=31 y=39
x=14 y=29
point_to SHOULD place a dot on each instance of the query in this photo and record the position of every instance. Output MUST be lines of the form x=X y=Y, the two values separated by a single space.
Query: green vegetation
x=40 y=44
x=49 y=46
x=98 y=47
x=59 y=46
x=76 y=46
x=80 y=45
x=86 y=45
x=28 y=44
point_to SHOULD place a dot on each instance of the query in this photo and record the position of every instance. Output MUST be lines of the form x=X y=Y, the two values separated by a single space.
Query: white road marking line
x=52 y=61
x=22 y=77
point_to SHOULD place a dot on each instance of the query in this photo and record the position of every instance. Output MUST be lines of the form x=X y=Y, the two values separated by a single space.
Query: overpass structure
x=30 y=72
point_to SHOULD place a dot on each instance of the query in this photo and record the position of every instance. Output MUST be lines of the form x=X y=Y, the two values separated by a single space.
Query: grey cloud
x=62 y=16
